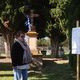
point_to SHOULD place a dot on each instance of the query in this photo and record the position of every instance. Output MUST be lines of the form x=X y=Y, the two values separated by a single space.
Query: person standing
x=19 y=53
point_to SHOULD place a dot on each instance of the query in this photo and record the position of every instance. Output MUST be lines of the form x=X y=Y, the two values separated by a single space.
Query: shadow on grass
x=6 y=70
x=54 y=71
x=5 y=67
x=5 y=64
x=50 y=71
x=7 y=75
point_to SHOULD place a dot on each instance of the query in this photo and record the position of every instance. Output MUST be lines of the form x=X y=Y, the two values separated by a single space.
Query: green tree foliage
x=43 y=42
x=52 y=18
x=10 y=11
x=73 y=14
x=40 y=7
x=11 y=18
x=67 y=13
x=57 y=22
x=58 y=15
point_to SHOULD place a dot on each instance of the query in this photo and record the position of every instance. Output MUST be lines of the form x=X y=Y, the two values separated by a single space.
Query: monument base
x=37 y=56
x=32 y=42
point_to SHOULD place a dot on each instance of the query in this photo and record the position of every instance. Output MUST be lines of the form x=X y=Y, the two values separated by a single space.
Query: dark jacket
x=17 y=54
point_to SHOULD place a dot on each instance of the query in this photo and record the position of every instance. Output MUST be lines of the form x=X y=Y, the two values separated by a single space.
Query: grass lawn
x=52 y=70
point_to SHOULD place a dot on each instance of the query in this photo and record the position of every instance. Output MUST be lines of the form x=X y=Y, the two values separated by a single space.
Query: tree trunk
x=55 y=47
x=8 y=35
x=8 y=43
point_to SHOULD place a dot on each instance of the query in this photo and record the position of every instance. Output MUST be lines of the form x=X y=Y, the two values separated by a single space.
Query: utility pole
x=77 y=24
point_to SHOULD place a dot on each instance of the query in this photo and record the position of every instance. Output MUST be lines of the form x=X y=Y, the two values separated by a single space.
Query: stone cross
x=32 y=15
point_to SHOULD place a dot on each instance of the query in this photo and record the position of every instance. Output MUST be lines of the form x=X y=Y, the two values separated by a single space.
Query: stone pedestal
x=32 y=42
x=37 y=56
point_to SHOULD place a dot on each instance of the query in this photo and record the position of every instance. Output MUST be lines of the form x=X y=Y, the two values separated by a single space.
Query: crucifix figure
x=32 y=15
x=29 y=14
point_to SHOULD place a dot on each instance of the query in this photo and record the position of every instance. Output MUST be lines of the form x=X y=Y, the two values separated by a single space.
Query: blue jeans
x=20 y=74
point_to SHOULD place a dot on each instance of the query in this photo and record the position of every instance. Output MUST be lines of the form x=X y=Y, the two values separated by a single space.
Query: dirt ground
x=8 y=60
x=5 y=60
